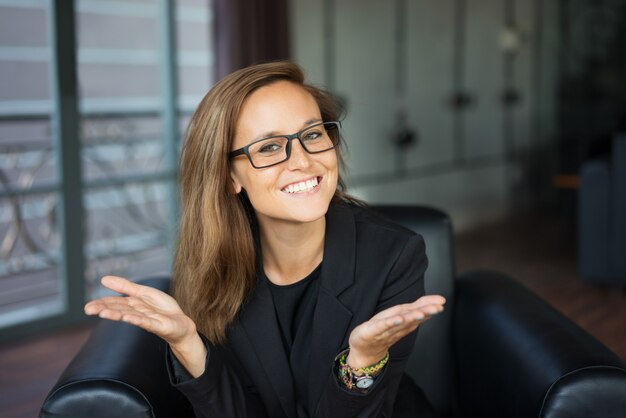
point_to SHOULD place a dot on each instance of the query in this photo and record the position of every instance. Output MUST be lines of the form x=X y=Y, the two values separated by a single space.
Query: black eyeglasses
x=274 y=150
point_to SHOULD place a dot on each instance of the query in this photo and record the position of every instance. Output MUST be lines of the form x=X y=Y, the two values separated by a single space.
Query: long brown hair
x=214 y=263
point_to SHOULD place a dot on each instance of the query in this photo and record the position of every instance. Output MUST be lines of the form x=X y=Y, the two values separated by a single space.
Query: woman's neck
x=291 y=250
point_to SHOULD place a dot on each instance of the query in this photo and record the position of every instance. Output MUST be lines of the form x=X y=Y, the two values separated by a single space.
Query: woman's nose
x=299 y=158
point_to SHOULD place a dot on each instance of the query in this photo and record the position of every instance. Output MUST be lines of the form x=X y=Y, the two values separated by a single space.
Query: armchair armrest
x=119 y=372
x=519 y=357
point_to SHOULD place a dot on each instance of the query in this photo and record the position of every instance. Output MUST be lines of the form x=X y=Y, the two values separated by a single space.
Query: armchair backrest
x=431 y=364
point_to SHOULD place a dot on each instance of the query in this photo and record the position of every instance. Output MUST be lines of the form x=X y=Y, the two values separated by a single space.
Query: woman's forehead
x=276 y=109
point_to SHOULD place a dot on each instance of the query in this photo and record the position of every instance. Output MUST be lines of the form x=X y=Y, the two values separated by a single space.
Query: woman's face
x=283 y=108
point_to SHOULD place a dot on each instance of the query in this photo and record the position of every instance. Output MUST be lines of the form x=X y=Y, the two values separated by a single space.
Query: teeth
x=303 y=186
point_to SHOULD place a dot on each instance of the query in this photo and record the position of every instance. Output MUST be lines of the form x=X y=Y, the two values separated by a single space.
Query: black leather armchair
x=497 y=351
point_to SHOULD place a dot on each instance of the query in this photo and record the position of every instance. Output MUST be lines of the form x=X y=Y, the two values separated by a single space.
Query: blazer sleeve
x=404 y=284
x=218 y=392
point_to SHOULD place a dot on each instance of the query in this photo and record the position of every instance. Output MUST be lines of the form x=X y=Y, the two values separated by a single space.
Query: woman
x=291 y=299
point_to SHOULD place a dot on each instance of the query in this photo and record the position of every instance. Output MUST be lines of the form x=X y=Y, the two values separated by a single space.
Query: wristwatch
x=363 y=382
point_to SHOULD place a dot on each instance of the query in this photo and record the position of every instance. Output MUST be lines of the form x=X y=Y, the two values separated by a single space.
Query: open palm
x=146 y=307
x=372 y=339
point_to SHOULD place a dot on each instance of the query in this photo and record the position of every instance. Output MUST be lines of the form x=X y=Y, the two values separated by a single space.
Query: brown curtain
x=249 y=32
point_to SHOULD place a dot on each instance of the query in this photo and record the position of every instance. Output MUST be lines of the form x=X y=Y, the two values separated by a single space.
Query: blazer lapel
x=261 y=326
x=331 y=318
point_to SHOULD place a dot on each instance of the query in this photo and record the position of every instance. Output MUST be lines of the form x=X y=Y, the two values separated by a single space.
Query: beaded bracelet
x=350 y=374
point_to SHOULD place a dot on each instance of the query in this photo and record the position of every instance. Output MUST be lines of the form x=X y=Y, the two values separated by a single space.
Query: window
x=128 y=129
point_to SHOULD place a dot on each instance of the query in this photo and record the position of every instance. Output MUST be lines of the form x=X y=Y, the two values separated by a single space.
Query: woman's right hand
x=156 y=312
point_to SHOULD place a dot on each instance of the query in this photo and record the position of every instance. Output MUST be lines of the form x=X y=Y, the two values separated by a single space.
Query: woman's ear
x=235 y=183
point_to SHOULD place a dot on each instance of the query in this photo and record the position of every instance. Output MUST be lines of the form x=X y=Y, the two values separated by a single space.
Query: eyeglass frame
x=245 y=150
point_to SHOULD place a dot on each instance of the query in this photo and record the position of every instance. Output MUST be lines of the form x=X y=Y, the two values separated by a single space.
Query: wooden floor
x=538 y=251
x=29 y=368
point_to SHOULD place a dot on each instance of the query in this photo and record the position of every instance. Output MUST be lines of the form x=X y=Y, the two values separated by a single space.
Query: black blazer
x=369 y=264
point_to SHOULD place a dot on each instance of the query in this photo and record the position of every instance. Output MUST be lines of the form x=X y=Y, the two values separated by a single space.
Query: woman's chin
x=298 y=214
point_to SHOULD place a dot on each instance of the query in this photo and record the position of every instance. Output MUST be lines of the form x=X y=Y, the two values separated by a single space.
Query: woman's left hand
x=370 y=341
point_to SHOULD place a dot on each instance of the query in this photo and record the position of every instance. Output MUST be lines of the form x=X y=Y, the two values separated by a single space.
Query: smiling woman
x=291 y=299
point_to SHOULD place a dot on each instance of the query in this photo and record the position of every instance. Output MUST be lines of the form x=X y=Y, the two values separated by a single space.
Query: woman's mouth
x=304 y=186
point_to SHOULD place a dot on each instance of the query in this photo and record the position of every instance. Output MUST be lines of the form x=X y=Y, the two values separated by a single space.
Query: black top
x=294 y=305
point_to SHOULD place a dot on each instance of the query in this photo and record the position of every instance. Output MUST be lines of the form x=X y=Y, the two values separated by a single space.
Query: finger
x=426 y=309
x=430 y=300
x=411 y=318
x=421 y=314
x=112 y=299
x=95 y=306
x=130 y=316
x=405 y=324
x=122 y=308
x=430 y=310
x=393 y=311
x=122 y=285
x=433 y=304
x=111 y=314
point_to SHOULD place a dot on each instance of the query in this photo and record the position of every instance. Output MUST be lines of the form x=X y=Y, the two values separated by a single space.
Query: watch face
x=364 y=382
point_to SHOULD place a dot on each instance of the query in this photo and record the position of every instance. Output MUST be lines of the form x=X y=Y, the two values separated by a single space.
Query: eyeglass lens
x=318 y=138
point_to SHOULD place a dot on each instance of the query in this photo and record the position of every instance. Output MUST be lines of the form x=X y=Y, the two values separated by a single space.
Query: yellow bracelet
x=350 y=375
x=368 y=370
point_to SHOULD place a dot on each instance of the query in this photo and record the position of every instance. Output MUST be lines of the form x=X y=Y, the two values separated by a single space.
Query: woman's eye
x=271 y=147
x=312 y=135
